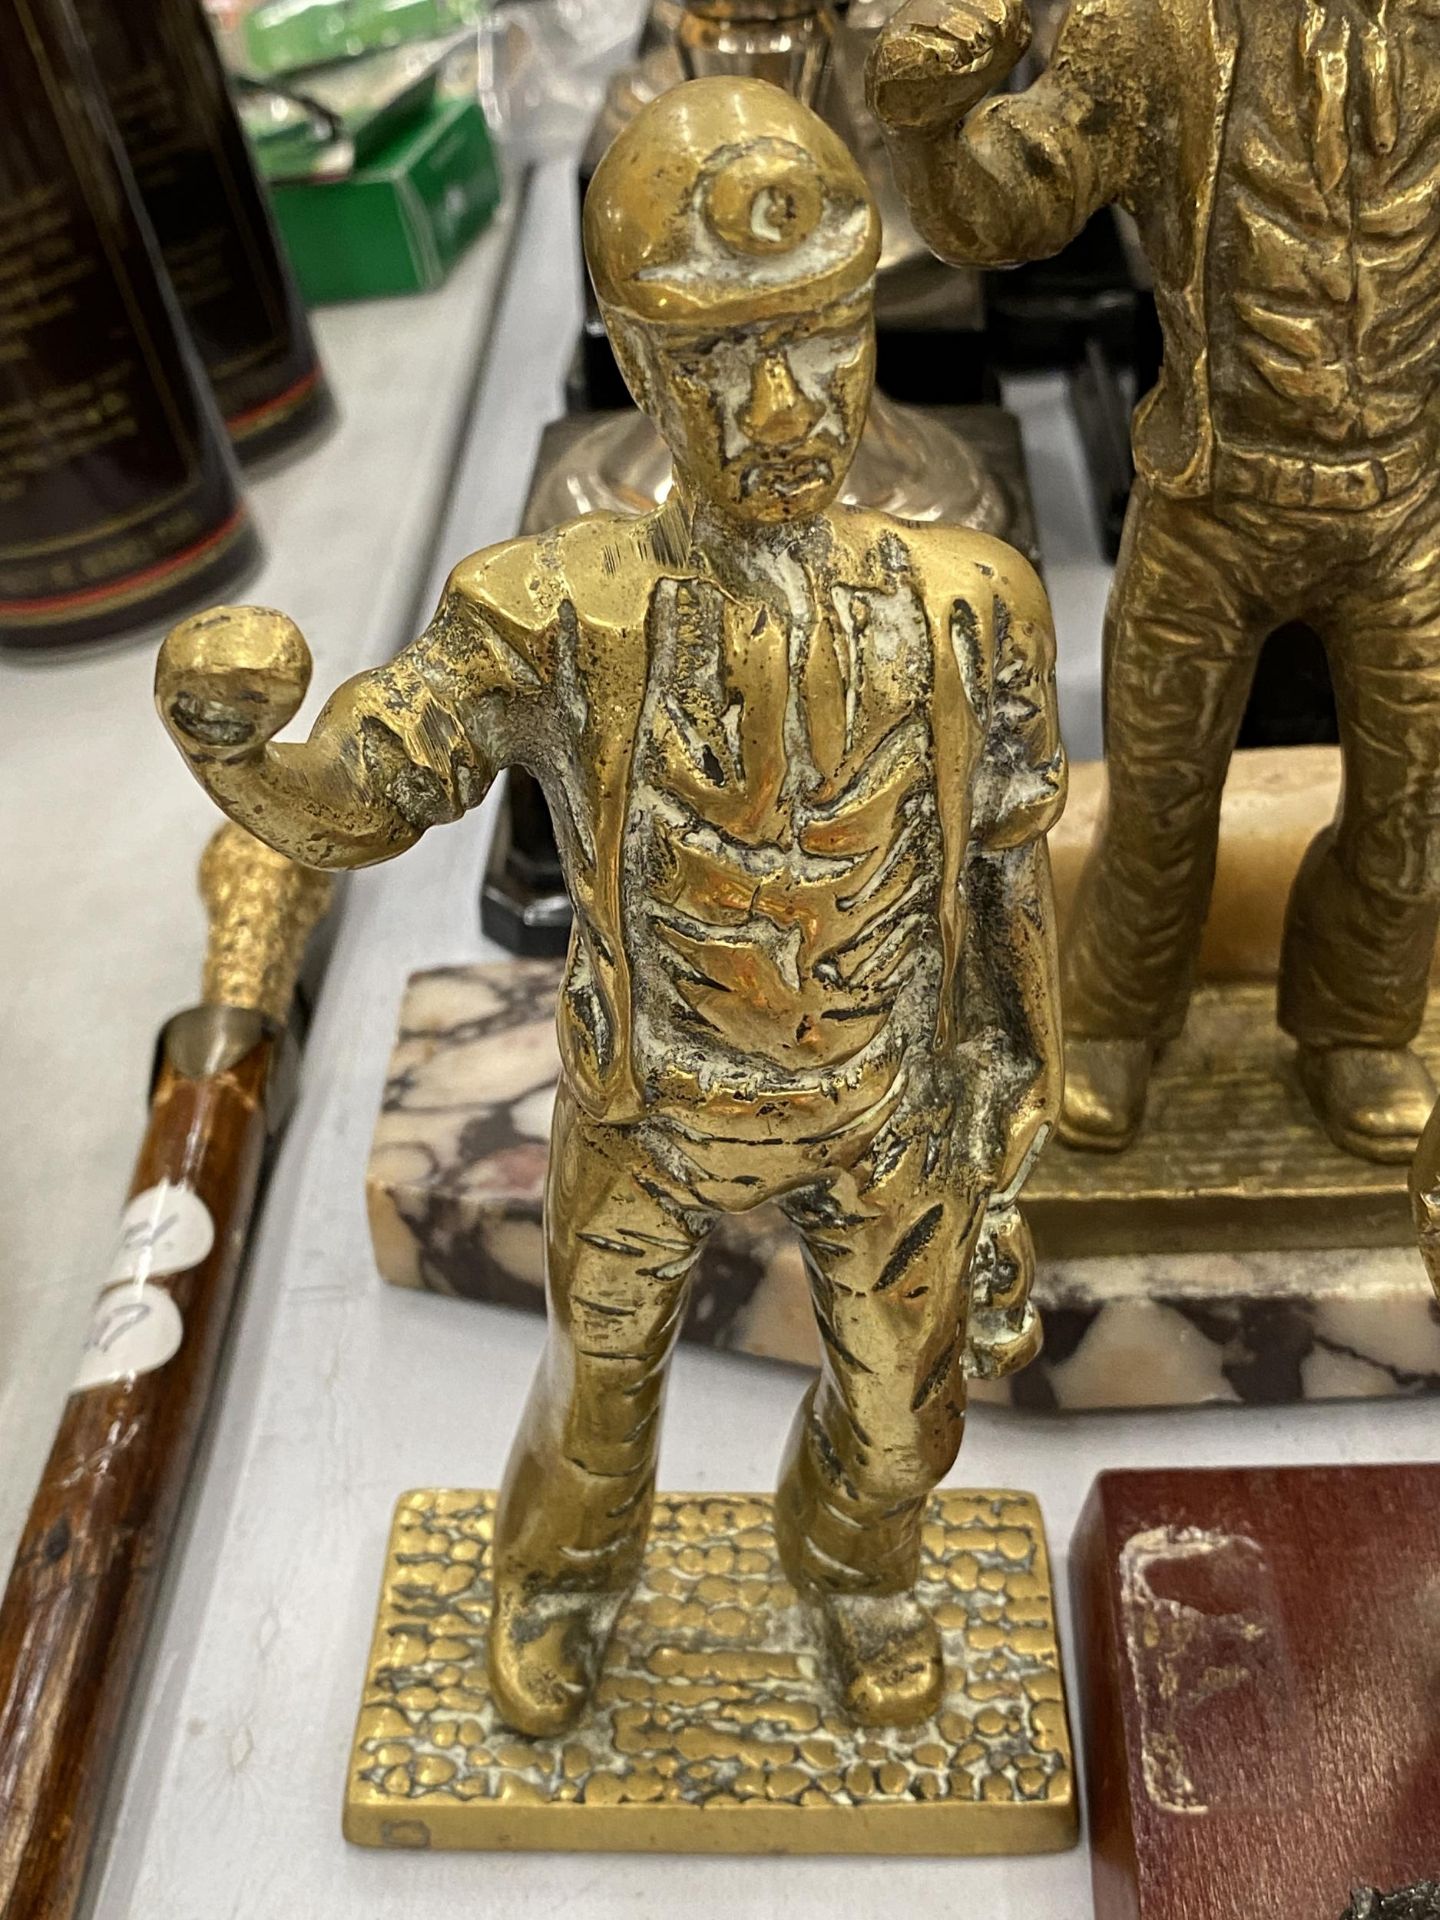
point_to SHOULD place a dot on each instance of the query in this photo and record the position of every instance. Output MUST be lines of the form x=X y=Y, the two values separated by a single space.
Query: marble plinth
x=712 y=1728
x=456 y=1182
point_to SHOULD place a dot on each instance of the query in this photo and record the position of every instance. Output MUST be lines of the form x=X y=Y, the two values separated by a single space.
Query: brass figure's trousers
x=889 y=1248
x=1199 y=586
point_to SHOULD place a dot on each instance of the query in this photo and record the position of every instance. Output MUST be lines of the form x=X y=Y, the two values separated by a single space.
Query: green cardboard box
x=399 y=223
x=285 y=35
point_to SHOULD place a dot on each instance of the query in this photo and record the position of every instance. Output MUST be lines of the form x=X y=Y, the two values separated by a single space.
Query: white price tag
x=136 y=1327
x=165 y=1229
x=133 y=1329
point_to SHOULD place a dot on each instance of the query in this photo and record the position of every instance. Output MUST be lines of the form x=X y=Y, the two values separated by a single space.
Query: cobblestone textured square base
x=712 y=1730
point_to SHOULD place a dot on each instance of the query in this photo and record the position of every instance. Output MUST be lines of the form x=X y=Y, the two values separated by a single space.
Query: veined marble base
x=455 y=1189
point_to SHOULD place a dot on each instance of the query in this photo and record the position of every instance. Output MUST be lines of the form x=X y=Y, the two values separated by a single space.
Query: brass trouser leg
x=889 y=1256
x=1183 y=630
x=1361 y=926
x=580 y=1484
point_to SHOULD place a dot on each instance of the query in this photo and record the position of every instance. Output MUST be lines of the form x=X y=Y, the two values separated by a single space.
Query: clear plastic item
x=544 y=65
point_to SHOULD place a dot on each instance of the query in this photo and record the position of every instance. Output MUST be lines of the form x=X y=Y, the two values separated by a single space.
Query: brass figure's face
x=763 y=420
x=733 y=241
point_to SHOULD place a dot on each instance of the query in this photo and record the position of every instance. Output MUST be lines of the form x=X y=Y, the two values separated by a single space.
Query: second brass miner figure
x=801 y=759
x=1282 y=160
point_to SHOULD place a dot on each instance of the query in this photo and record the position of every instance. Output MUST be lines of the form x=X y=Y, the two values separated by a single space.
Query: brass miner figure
x=1282 y=160
x=801 y=760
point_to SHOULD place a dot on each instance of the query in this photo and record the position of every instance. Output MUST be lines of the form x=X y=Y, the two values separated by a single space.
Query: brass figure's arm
x=1016 y=178
x=1012 y=967
x=1013 y=903
x=394 y=751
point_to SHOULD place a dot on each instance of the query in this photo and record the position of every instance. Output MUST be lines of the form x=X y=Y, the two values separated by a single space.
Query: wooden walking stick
x=75 y=1612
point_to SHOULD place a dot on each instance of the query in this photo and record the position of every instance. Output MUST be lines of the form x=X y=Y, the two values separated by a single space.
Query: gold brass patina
x=801 y=759
x=1280 y=160
x=263 y=910
x=711 y=1730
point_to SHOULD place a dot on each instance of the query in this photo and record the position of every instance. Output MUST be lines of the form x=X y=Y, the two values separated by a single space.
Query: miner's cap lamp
x=727 y=201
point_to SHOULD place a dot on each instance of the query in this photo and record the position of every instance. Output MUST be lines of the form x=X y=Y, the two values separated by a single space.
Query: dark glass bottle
x=166 y=88
x=118 y=496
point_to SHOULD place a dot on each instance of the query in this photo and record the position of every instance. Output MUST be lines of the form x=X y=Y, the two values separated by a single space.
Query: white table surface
x=340 y=1393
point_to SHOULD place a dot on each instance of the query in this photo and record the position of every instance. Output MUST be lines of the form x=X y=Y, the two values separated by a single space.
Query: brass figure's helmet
x=726 y=201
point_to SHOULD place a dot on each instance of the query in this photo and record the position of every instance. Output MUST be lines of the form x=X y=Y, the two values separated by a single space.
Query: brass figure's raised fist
x=230 y=678
x=938 y=58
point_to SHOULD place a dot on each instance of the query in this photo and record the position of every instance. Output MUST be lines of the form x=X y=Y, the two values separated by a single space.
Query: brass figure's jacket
x=538 y=656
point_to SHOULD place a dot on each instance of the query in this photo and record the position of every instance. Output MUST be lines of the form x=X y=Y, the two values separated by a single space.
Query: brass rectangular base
x=712 y=1730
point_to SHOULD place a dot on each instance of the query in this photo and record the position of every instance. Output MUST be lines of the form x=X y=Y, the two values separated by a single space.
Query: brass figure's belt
x=1291 y=480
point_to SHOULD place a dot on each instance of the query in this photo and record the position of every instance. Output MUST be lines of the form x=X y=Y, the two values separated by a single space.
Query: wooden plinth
x=1261 y=1703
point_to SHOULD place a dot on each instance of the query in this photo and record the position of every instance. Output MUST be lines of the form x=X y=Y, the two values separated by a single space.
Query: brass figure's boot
x=545 y=1652
x=1372 y=1101
x=886 y=1655
x=1105 y=1083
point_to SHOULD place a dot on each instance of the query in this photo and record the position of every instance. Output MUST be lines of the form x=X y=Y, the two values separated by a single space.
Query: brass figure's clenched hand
x=229 y=679
x=938 y=58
